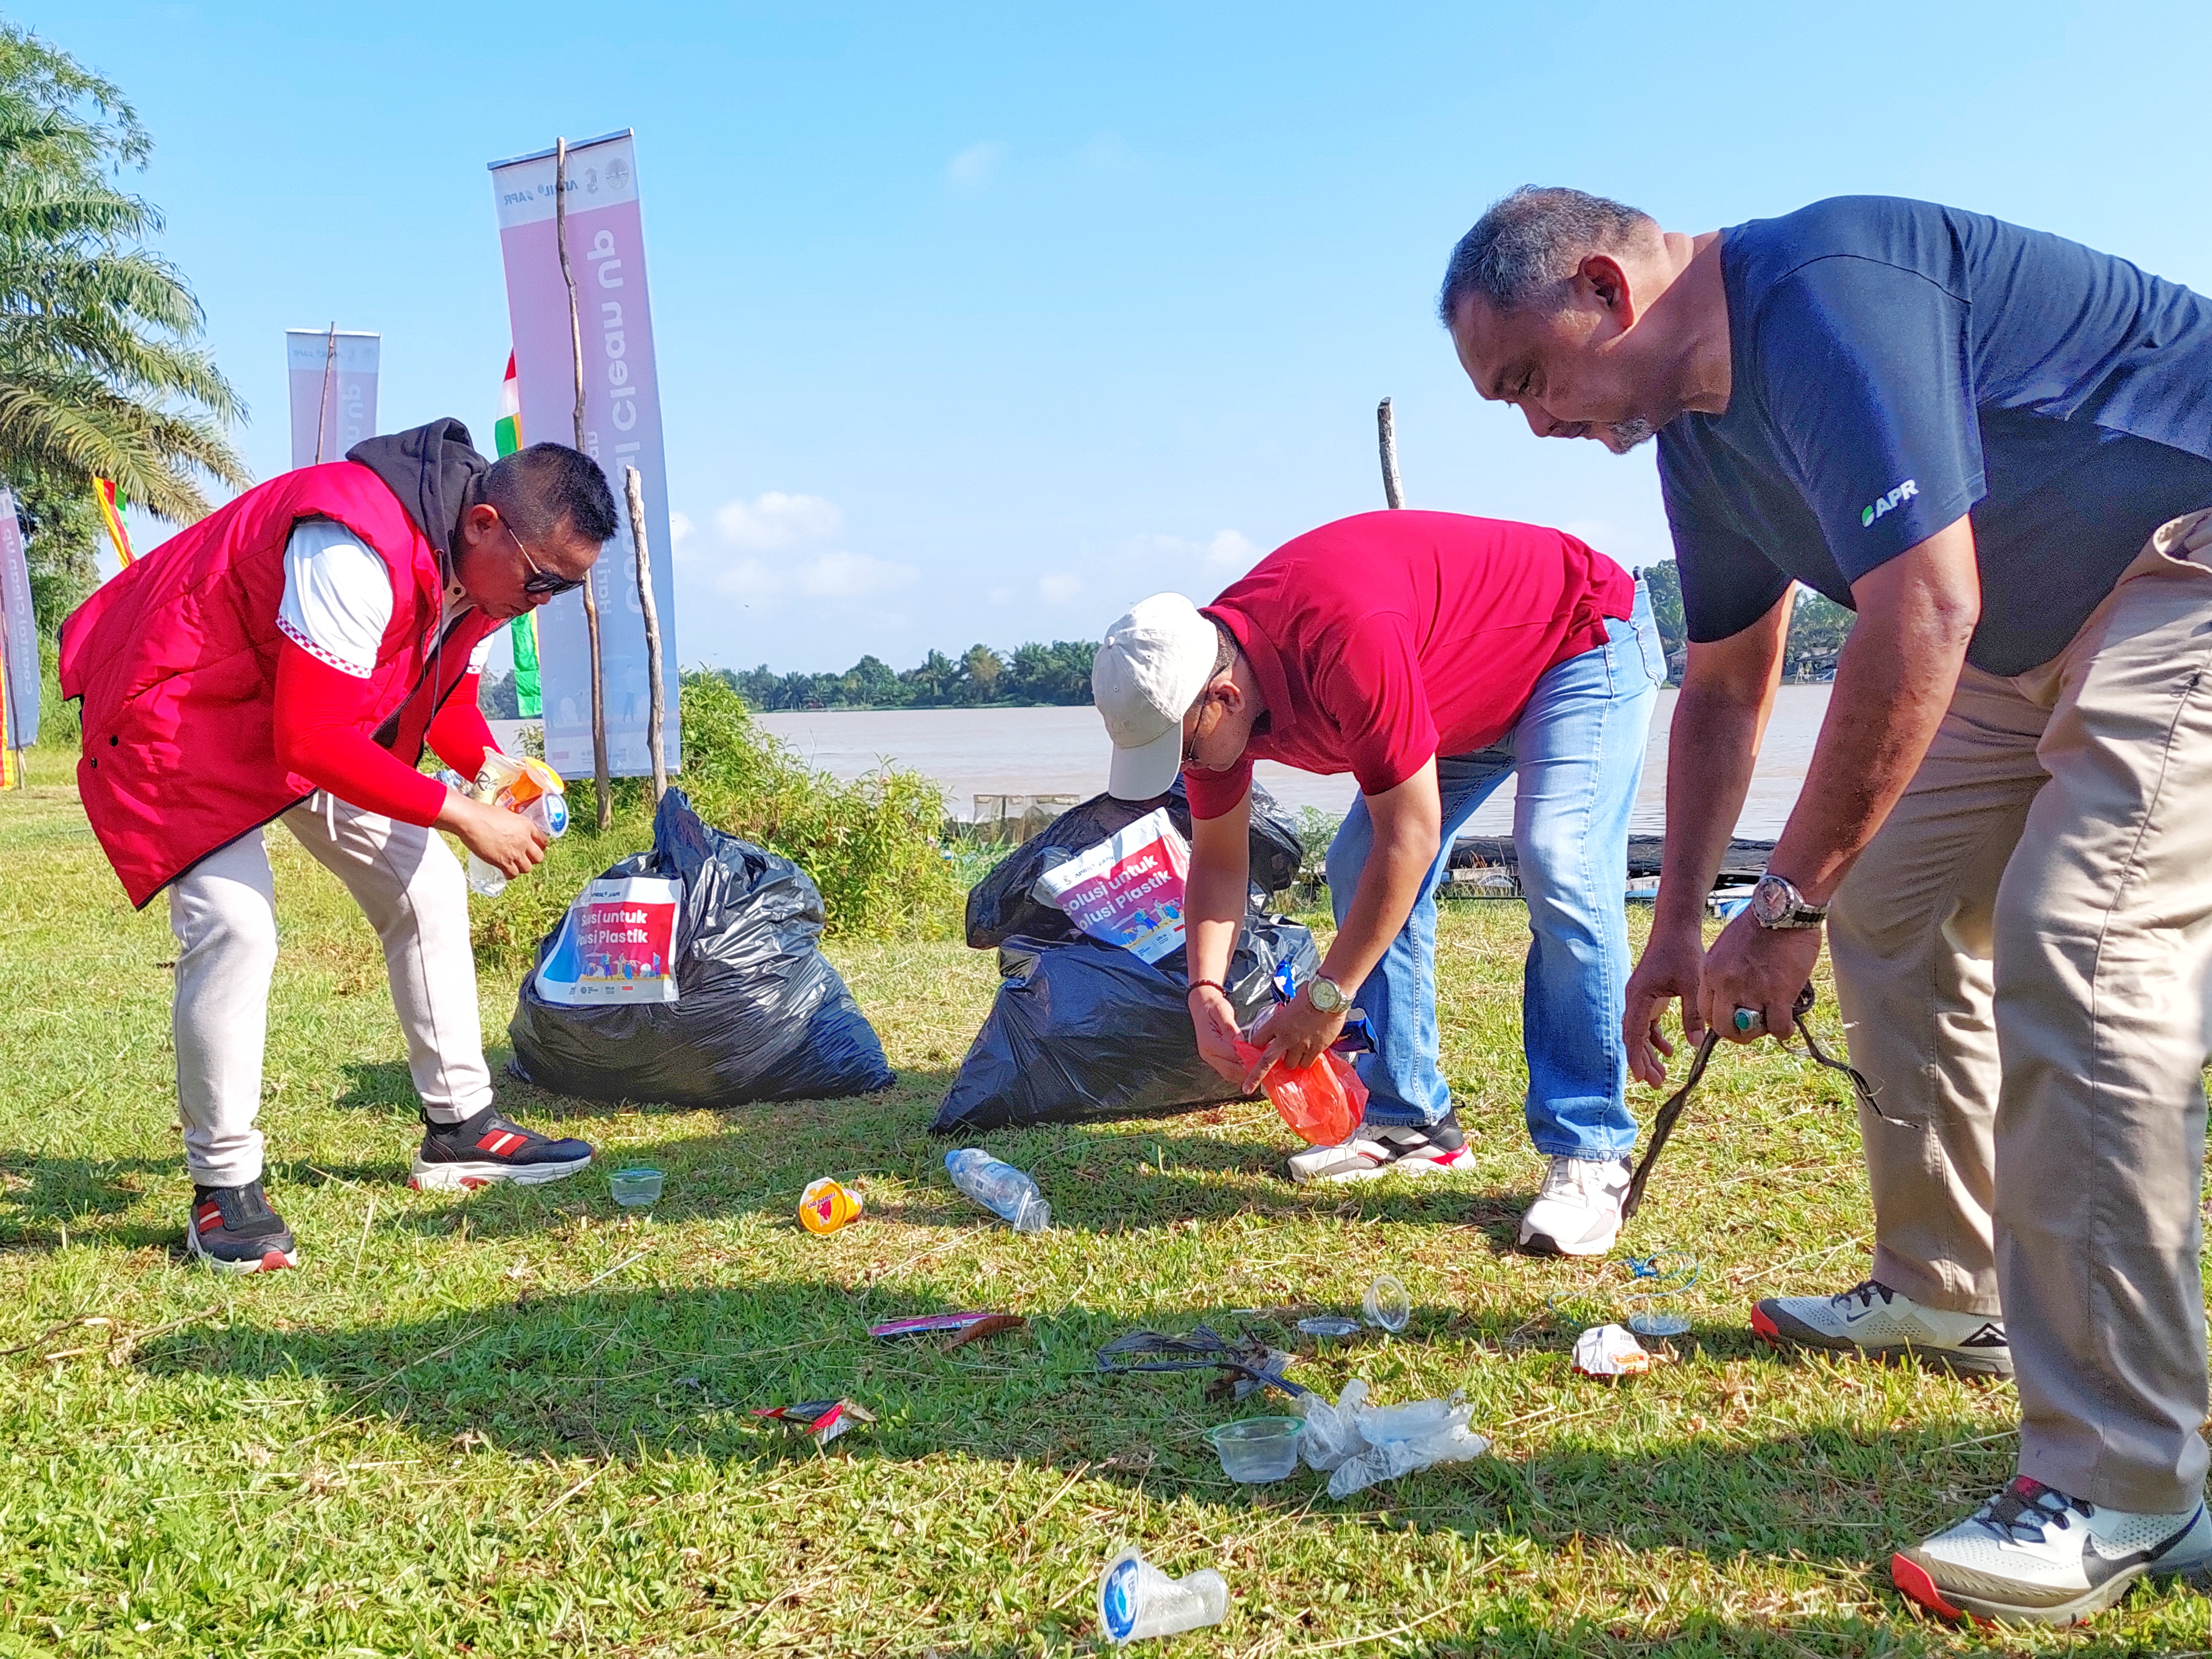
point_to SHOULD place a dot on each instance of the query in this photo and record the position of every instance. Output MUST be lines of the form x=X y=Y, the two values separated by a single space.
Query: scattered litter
x=825 y=1206
x=930 y=1324
x=822 y=1419
x=983 y=1329
x=1330 y=1325
x=1321 y=1103
x=1386 y=1305
x=1249 y=1360
x=1136 y=1599
x=1000 y=1188
x=1358 y=1444
x=1660 y=1282
x=1257 y=1449
x=1609 y=1351
x=632 y=1187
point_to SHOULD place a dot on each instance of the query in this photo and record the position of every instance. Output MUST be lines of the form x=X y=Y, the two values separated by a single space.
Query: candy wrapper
x=823 y=1421
x=1608 y=1351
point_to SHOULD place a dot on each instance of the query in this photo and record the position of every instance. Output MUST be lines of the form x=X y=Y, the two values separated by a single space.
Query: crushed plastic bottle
x=1000 y=1188
x=1136 y=1599
x=1356 y=1444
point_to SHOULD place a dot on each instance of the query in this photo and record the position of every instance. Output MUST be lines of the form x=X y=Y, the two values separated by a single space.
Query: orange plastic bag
x=1321 y=1103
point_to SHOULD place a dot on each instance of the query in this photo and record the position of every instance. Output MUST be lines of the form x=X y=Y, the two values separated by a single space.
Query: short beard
x=1627 y=434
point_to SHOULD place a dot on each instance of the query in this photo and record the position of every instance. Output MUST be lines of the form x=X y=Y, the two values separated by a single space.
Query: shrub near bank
x=871 y=844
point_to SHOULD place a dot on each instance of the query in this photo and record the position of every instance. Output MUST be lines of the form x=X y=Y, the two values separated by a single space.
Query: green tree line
x=1817 y=627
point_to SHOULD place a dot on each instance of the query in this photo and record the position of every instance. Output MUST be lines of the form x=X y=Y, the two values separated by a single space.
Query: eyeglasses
x=541 y=583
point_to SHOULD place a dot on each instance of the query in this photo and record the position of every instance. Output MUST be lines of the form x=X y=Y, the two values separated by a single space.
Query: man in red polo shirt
x=1429 y=655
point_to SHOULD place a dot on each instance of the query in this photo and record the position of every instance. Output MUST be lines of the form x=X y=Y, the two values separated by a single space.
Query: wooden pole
x=591 y=583
x=634 y=487
x=1385 y=435
x=322 y=407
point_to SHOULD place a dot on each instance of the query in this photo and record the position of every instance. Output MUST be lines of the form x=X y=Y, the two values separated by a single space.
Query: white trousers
x=223 y=912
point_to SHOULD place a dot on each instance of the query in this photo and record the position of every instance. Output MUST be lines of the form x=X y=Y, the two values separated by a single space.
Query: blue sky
x=978 y=322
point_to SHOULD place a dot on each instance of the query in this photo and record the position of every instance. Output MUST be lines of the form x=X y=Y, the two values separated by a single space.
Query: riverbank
x=1040 y=752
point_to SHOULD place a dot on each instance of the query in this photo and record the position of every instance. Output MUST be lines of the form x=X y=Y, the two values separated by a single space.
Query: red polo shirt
x=1383 y=640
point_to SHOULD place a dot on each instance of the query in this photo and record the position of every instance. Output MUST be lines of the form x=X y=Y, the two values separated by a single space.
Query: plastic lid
x=1117 y=1594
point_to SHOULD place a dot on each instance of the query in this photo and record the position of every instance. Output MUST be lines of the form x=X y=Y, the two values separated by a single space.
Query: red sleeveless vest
x=175 y=661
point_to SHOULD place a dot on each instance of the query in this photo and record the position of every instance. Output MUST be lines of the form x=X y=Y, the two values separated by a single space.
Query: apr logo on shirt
x=1903 y=492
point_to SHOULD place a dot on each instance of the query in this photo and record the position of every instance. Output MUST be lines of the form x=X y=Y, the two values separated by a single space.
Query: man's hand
x=1215 y=1022
x=506 y=840
x=1672 y=967
x=1761 y=969
x=1295 y=1033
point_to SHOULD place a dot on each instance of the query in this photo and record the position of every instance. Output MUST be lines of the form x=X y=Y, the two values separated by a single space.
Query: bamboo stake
x=591 y=582
x=634 y=487
x=1386 y=436
x=322 y=407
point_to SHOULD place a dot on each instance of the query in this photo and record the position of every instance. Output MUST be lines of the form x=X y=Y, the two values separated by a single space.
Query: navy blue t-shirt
x=1897 y=365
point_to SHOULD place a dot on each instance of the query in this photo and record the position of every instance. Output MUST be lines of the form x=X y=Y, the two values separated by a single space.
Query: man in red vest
x=288 y=658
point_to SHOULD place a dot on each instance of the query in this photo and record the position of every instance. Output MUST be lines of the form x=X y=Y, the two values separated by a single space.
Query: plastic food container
x=1387 y=1304
x=1257 y=1448
x=632 y=1187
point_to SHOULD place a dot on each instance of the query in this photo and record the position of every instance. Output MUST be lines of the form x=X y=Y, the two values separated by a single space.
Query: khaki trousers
x=223 y=912
x=2022 y=954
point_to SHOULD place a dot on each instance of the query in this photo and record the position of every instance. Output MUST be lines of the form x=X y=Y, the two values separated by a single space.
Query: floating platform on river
x=1487 y=867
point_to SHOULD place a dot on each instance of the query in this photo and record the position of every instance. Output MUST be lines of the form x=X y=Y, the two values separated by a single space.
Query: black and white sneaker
x=459 y=1157
x=1374 y=1151
x=2034 y=1554
x=1873 y=1320
x=233 y=1230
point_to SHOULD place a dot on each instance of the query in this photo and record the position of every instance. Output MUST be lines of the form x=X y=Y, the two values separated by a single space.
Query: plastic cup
x=1137 y=1601
x=1660 y=1324
x=1386 y=1305
x=1253 y=1449
x=826 y=1205
x=632 y=1187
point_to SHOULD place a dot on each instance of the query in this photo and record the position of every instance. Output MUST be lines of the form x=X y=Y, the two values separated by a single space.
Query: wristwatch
x=1776 y=903
x=1325 y=993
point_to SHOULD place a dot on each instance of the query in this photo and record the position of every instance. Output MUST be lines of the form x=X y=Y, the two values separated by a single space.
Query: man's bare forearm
x=1711 y=747
x=1214 y=895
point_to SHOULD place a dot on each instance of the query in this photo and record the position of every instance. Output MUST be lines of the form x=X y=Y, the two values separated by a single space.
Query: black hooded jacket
x=435 y=472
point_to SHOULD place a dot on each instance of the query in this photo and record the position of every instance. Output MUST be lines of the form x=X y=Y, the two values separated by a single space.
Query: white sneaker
x=1578 y=1211
x=1873 y=1320
x=2032 y=1552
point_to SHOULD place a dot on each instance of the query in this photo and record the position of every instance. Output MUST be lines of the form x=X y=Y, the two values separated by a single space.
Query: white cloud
x=819 y=576
x=1059 y=588
x=774 y=520
x=1232 y=549
x=975 y=165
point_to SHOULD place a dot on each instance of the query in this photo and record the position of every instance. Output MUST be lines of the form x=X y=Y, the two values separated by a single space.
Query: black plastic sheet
x=1082 y=1031
x=760 y=1014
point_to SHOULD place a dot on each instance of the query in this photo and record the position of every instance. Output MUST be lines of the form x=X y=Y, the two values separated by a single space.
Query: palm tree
x=100 y=373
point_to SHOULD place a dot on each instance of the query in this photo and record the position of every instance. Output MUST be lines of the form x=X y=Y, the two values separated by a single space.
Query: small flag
x=507 y=437
x=507 y=431
x=112 y=502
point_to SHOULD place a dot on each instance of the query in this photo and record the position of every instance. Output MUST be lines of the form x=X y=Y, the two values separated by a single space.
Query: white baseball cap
x=1155 y=662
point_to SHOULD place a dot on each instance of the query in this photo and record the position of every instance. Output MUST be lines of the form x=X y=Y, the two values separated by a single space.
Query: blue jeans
x=1576 y=752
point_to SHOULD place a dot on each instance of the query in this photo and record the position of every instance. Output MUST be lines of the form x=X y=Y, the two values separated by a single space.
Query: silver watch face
x=1772 y=900
x=1324 y=996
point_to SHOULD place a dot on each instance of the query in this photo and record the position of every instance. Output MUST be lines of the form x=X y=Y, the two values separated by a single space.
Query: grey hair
x=1527 y=244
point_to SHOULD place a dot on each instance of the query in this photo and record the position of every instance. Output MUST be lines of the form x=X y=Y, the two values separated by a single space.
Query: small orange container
x=825 y=1206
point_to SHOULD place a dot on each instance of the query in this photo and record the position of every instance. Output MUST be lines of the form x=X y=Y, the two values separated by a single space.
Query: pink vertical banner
x=19 y=631
x=622 y=429
x=333 y=374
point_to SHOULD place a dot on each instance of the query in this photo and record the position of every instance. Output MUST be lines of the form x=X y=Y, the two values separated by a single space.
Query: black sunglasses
x=541 y=583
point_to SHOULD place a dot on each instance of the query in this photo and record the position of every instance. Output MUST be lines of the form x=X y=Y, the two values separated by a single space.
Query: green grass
x=519 y=1422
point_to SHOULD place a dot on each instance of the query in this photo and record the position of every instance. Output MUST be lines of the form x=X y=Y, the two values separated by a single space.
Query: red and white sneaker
x=1578 y=1211
x=1375 y=1152
x=233 y=1230
x=459 y=1157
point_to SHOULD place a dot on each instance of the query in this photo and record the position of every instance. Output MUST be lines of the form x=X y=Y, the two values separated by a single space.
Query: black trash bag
x=760 y=1014
x=1083 y=1031
x=1000 y=906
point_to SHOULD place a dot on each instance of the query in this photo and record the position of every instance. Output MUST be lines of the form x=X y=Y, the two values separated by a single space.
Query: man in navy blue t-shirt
x=1996 y=446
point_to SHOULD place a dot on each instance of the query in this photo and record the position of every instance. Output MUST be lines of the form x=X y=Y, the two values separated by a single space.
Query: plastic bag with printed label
x=758 y=1013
